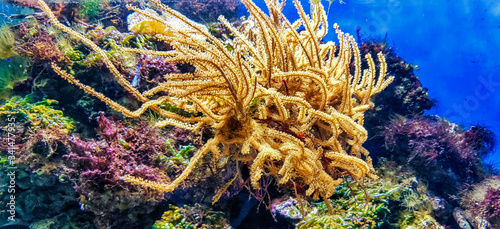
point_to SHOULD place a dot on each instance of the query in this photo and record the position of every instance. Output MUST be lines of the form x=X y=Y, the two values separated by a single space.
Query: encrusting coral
x=276 y=96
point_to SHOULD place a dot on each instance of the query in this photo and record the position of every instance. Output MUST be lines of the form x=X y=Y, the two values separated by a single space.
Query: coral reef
x=41 y=43
x=43 y=201
x=88 y=169
x=97 y=168
x=440 y=153
x=448 y=159
x=405 y=96
x=295 y=134
x=38 y=132
x=258 y=118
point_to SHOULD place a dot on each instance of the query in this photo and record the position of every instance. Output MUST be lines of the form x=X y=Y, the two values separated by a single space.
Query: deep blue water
x=7 y=10
x=456 y=45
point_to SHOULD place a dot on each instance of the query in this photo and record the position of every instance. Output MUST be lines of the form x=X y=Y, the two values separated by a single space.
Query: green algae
x=187 y=217
x=38 y=115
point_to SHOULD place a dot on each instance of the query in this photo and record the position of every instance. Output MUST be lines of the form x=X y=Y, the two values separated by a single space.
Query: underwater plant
x=187 y=217
x=38 y=115
x=38 y=132
x=279 y=99
x=90 y=8
x=352 y=208
x=38 y=45
x=396 y=200
x=41 y=131
x=96 y=168
x=491 y=203
x=436 y=143
x=86 y=173
x=7 y=40
x=444 y=156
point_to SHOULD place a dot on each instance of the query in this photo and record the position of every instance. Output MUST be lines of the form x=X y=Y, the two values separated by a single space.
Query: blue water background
x=456 y=45
x=7 y=10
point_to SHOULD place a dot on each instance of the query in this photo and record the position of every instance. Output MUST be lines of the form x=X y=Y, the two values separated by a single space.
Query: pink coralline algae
x=152 y=69
x=491 y=203
x=97 y=166
x=451 y=157
x=38 y=45
x=430 y=139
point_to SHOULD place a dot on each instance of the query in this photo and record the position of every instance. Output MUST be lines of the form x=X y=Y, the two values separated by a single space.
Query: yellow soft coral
x=279 y=96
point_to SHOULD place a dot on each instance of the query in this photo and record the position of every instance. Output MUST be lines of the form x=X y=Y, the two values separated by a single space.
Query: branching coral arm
x=314 y=39
x=109 y=102
x=121 y=79
x=211 y=145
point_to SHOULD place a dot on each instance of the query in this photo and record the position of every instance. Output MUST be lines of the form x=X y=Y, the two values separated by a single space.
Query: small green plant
x=37 y=114
x=352 y=209
x=188 y=217
x=180 y=157
x=396 y=200
x=90 y=8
